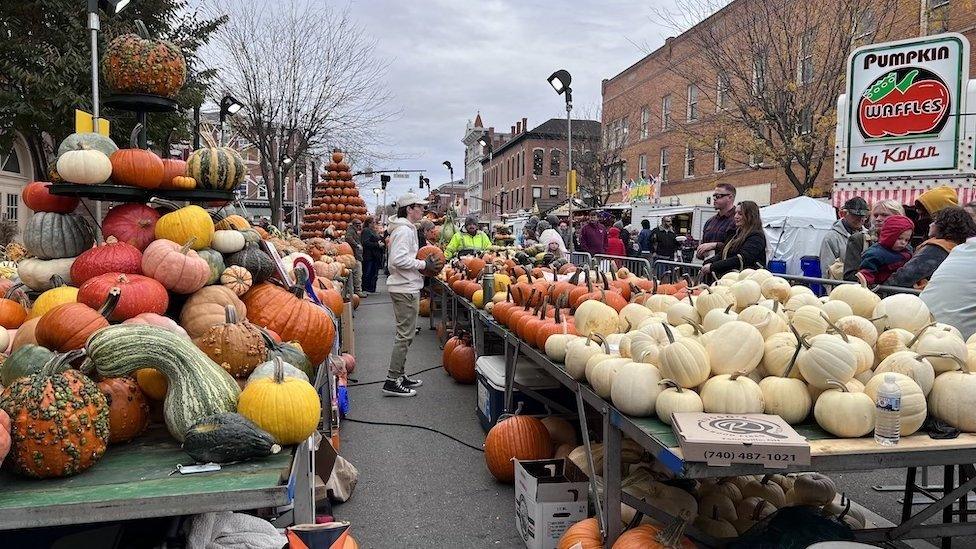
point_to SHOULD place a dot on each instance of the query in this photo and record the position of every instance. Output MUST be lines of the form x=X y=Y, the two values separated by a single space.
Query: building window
x=692 y=103
x=759 y=73
x=13 y=207
x=553 y=192
x=664 y=165
x=536 y=192
x=262 y=190
x=625 y=130
x=805 y=66
x=537 y=162
x=806 y=121
x=666 y=112
x=721 y=92
x=645 y=121
x=554 y=161
x=10 y=162
x=642 y=166
x=689 y=161
x=719 y=155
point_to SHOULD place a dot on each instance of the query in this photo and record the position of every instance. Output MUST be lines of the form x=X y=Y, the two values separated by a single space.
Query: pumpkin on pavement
x=292 y=317
x=111 y=256
x=128 y=411
x=59 y=421
x=286 y=407
x=178 y=268
x=140 y=294
x=237 y=345
x=66 y=327
x=518 y=437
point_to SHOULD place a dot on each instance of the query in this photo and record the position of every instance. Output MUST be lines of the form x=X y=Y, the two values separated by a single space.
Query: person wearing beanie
x=890 y=252
x=931 y=201
x=469 y=239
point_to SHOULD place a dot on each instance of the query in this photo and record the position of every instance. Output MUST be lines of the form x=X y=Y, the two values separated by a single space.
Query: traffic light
x=420 y=181
x=384 y=179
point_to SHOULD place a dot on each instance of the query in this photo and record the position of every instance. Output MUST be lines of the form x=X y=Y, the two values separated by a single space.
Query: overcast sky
x=452 y=58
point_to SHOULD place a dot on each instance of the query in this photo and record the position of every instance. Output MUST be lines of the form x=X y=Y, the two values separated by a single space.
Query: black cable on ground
x=432 y=430
x=384 y=380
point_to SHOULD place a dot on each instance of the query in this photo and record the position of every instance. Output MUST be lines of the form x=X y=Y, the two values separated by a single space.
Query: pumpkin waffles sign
x=904 y=101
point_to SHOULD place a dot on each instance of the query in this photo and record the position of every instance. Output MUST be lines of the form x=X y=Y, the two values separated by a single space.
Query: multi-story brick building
x=529 y=168
x=663 y=112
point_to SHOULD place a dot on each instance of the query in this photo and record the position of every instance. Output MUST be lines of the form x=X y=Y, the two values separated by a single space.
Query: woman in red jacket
x=615 y=246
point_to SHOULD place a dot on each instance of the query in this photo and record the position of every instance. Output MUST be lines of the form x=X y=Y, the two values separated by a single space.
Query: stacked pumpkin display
x=335 y=203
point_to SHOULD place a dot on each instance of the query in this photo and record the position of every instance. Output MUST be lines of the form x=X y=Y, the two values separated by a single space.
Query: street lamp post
x=112 y=7
x=384 y=181
x=449 y=168
x=228 y=106
x=560 y=81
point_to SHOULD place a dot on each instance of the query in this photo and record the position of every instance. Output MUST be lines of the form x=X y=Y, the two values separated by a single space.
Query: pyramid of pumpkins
x=336 y=202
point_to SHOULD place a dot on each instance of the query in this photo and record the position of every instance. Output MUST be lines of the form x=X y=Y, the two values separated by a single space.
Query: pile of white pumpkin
x=752 y=343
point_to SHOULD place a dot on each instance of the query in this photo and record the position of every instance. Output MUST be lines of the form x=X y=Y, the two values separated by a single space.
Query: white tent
x=795 y=228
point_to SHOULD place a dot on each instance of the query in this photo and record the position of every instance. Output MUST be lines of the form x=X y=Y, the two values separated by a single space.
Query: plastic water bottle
x=887 y=413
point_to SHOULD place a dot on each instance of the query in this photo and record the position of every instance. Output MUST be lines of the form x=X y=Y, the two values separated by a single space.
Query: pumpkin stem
x=668 y=332
x=736 y=375
x=654 y=285
x=729 y=308
x=57 y=281
x=801 y=339
x=141 y=30
x=230 y=314
x=602 y=341
x=671 y=384
x=186 y=247
x=279 y=369
x=758 y=510
x=834 y=327
x=843 y=388
x=918 y=335
x=111 y=301
x=137 y=129
x=59 y=363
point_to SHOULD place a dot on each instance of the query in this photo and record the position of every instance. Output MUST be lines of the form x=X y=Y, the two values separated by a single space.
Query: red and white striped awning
x=903 y=194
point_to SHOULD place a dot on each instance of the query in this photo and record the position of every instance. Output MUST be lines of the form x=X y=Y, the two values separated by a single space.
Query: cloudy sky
x=451 y=58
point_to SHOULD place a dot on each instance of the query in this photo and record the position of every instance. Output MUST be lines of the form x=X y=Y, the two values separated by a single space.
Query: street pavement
x=420 y=489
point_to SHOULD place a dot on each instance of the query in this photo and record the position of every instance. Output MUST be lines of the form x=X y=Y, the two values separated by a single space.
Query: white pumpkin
x=767 y=321
x=227 y=241
x=860 y=298
x=596 y=359
x=809 y=321
x=891 y=341
x=679 y=313
x=824 y=358
x=631 y=316
x=776 y=288
x=905 y=311
x=913 y=407
x=556 y=346
x=594 y=316
x=735 y=347
x=947 y=328
x=685 y=361
x=635 y=389
x=732 y=394
x=578 y=353
x=676 y=399
x=37 y=274
x=862 y=352
x=84 y=166
x=779 y=355
x=643 y=348
x=765 y=488
x=812 y=489
x=855 y=386
x=856 y=326
x=745 y=293
x=836 y=310
x=944 y=349
x=786 y=397
x=953 y=399
x=844 y=414
x=659 y=303
x=802 y=300
x=716 y=317
x=759 y=275
x=713 y=298
x=603 y=372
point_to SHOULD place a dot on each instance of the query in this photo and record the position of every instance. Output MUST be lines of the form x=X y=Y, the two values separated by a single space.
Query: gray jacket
x=833 y=246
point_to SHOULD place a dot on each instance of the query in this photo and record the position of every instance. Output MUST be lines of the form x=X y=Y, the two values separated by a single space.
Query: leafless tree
x=598 y=162
x=309 y=79
x=780 y=65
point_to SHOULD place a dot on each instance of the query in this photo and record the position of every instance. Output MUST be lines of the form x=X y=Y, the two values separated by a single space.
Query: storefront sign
x=644 y=190
x=904 y=100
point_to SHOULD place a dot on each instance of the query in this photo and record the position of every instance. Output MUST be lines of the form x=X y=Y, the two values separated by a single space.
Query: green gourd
x=198 y=386
x=23 y=362
x=216 y=262
x=288 y=353
x=228 y=437
x=253 y=259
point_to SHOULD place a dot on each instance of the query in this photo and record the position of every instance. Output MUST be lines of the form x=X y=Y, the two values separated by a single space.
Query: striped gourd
x=198 y=387
x=216 y=168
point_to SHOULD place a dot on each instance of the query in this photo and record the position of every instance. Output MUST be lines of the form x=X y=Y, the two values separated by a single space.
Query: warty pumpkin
x=237 y=345
x=178 y=268
x=190 y=224
x=138 y=63
x=67 y=327
x=128 y=411
x=286 y=407
x=292 y=317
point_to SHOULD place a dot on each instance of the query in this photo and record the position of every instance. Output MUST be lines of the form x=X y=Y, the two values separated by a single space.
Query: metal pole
x=196 y=127
x=569 y=163
x=94 y=26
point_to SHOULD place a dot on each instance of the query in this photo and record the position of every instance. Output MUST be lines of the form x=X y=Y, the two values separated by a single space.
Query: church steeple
x=477 y=121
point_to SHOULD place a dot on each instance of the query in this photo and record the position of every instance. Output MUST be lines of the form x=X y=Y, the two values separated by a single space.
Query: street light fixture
x=560 y=81
x=449 y=168
x=228 y=106
x=111 y=7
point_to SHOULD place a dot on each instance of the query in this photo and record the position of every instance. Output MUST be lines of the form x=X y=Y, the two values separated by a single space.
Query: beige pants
x=405 y=309
x=357 y=278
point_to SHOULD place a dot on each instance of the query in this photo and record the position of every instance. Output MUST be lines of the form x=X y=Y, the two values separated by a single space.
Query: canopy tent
x=795 y=228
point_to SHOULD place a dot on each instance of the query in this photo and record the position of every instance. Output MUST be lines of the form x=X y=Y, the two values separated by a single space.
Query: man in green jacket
x=470 y=239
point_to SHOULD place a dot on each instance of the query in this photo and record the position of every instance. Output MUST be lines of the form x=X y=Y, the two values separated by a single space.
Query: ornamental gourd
x=190 y=224
x=685 y=361
x=239 y=280
x=67 y=327
x=238 y=346
x=676 y=399
x=913 y=406
x=904 y=311
x=252 y=258
x=735 y=347
x=515 y=437
x=39 y=274
x=227 y=242
x=111 y=256
x=131 y=223
x=220 y=168
x=37 y=196
x=825 y=358
x=128 y=411
x=140 y=294
x=732 y=394
x=843 y=413
x=197 y=386
x=228 y=437
x=287 y=313
x=206 y=308
x=59 y=421
x=178 y=268
x=138 y=63
x=56 y=236
x=287 y=408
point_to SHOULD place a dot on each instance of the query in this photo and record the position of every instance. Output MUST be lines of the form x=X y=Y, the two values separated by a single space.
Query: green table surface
x=140 y=470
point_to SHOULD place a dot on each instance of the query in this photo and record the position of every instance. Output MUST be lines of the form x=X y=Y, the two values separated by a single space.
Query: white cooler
x=490 y=371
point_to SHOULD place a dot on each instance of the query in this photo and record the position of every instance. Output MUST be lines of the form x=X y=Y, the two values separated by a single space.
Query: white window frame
x=536 y=192
x=642 y=166
x=689 y=162
x=720 y=164
x=553 y=192
x=805 y=66
x=721 y=91
x=692 y=111
x=625 y=129
x=666 y=112
x=262 y=185
x=645 y=122
x=663 y=164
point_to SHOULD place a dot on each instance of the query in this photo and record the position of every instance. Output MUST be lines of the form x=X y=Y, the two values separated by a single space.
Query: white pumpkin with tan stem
x=891 y=341
x=862 y=351
x=734 y=347
x=943 y=348
x=679 y=313
x=905 y=311
x=803 y=299
x=913 y=407
x=732 y=394
x=717 y=317
x=809 y=321
x=635 y=389
x=824 y=358
x=857 y=326
x=836 y=310
x=673 y=399
x=911 y=364
x=603 y=372
x=713 y=298
x=765 y=488
x=843 y=413
x=861 y=299
x=779 y=354
x=745 y=293
x=631 y=316
x=660 y=303
x=767 y=321
x=786 y=397
x=685 y=361
x=812 y=489
x=578 y=352
x=643 y=348
x=953 y=399
x=557 y=344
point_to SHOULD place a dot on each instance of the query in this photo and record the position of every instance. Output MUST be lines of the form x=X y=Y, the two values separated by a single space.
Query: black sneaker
x=396 y=388
x=410 y=383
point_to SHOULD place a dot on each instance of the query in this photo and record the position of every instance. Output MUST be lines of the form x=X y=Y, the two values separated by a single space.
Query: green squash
x=227 y=437
x=198 y=386
x=256 y=262
x=216 y=262
x=88 y=140
x=290 y=354
x=51 y=235
x=216 y=168
x=23 y=362
x=251 y=236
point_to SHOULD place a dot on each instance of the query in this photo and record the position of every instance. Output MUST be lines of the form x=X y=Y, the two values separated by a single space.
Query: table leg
x=585 y=432
x=906 y=506
x=511 y=365
x=946 y=500
x=947 y=482
x=612 y=441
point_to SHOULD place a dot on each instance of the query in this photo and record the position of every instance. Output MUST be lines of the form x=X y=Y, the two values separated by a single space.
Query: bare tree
x=599 y=162
x=309 y=79
x=771 y=71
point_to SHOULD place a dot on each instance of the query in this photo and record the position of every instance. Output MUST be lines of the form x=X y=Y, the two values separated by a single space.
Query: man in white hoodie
x=404 y=284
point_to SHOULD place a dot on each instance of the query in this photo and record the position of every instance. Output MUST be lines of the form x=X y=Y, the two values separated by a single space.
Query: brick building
x=529 y=167
x=664 y=111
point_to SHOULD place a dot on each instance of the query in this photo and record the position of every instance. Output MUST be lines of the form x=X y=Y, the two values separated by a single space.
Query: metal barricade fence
x=637 y=265
x=677 y=270
x=580 y=259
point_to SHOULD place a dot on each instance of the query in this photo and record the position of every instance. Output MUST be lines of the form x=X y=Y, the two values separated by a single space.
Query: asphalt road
x=421 y=489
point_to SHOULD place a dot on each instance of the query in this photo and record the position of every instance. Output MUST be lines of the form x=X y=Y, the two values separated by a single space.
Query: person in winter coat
x=624 y=236
x=470 y=239
x=664 y=241
x=859 y=241
x=890 y=252
x=951 y=227
x=853 y=214
x=565 y=232
x=746 y=250
x=593 y=235
x=372 y=254
x=355 y=241
x=615 y=244
x=404 y=283
x=947 y=292
x=644 y=238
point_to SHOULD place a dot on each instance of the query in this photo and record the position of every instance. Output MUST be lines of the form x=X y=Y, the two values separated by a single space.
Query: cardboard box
x=550 y=496
x=724 y=439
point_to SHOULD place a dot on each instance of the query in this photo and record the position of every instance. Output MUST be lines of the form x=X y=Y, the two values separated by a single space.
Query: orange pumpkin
x=137 y=167
x=585 y=534
x=12 y=311
x=128 y=411
x=648 y=536
x=516 y=437
x=294 y=318
x=172 y=167
x=343 y=248
x=67 y=326
x=328 y=296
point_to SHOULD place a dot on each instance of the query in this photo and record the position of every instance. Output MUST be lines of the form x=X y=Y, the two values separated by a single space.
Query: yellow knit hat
x=938 y=198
